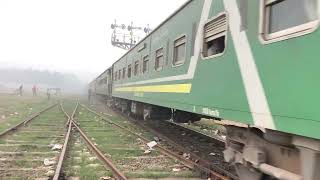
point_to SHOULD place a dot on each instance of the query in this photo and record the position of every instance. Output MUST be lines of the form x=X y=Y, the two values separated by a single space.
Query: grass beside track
x=127 y=151
x=14 y=109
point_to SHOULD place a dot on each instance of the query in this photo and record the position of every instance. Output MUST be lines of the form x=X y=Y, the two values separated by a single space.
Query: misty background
x=11 y=79
x=66 y=43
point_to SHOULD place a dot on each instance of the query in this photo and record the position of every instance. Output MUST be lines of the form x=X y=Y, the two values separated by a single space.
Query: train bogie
x=185 y=117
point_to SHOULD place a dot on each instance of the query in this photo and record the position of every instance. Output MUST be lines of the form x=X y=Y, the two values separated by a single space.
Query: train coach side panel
x=289 y=70
x=269 y=85
x=209 y=87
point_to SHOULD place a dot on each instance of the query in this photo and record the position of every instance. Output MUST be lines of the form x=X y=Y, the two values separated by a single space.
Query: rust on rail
x=26 y=121
x=186 y=162
x=106 y=161
x=65 y=145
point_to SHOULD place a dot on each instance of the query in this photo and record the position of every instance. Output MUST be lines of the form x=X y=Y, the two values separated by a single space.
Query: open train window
x=215 y=32
x=145 y=64
x=136 y=68
x=123 y=73
x=129 y=71
x=283 y=19
x=159 y=59
x=179 y=53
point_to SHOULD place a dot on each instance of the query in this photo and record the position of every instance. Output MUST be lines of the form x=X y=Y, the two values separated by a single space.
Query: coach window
x=283 y=19
x=136 y=68
x=215 y=32
x=123 y=73
x=179 y=53
x=129 y=71
x=145 y=65
x=159 y=60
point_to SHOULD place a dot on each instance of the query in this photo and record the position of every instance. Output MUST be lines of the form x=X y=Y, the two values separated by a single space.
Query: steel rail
x=106 y=161
x=183 y=149
x=65 y=114
x=196 y=131
x=216 y=171
x=26 y=121
x=119 y=175
x=65 y=145
x=186 y=162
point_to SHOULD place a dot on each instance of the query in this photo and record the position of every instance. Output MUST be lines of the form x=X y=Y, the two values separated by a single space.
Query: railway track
x=30 y=148
x=71 y=163
x=90 y=146
x=204 y=149
x=37 y=148
x=128 y=150
x=181 y=152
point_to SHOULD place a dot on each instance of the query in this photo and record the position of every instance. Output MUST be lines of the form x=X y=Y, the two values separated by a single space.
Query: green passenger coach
x=251 y=65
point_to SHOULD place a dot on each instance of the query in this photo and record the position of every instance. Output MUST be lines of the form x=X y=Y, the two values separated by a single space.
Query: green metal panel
x=213 y=79
x=288 y=71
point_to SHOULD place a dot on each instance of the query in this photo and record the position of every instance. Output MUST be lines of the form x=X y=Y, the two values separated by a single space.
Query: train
x=251 y=66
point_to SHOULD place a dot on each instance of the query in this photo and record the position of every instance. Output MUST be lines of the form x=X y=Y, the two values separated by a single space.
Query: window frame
x=129 y=74
x=174 y=48
x=265 y=37
x=225 y=34
x=156 y=56
x=124 y=73
x=136 y=73
x=143 y=60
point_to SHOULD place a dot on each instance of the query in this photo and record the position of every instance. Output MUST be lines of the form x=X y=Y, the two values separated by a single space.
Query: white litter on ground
x=56 y=147
x=48 y=162
x=176 y=169
x=105 y=178
x=92 y=158
x=185 y=155
x=152 y=144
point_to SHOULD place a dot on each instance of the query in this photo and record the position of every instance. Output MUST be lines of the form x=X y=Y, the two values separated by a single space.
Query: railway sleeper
x=266 y=155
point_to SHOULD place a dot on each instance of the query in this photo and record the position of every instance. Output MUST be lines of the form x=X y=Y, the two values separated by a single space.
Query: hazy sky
x=70 y=35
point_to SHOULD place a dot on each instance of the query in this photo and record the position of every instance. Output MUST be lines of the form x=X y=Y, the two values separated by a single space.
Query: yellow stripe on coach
x=172 y=88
